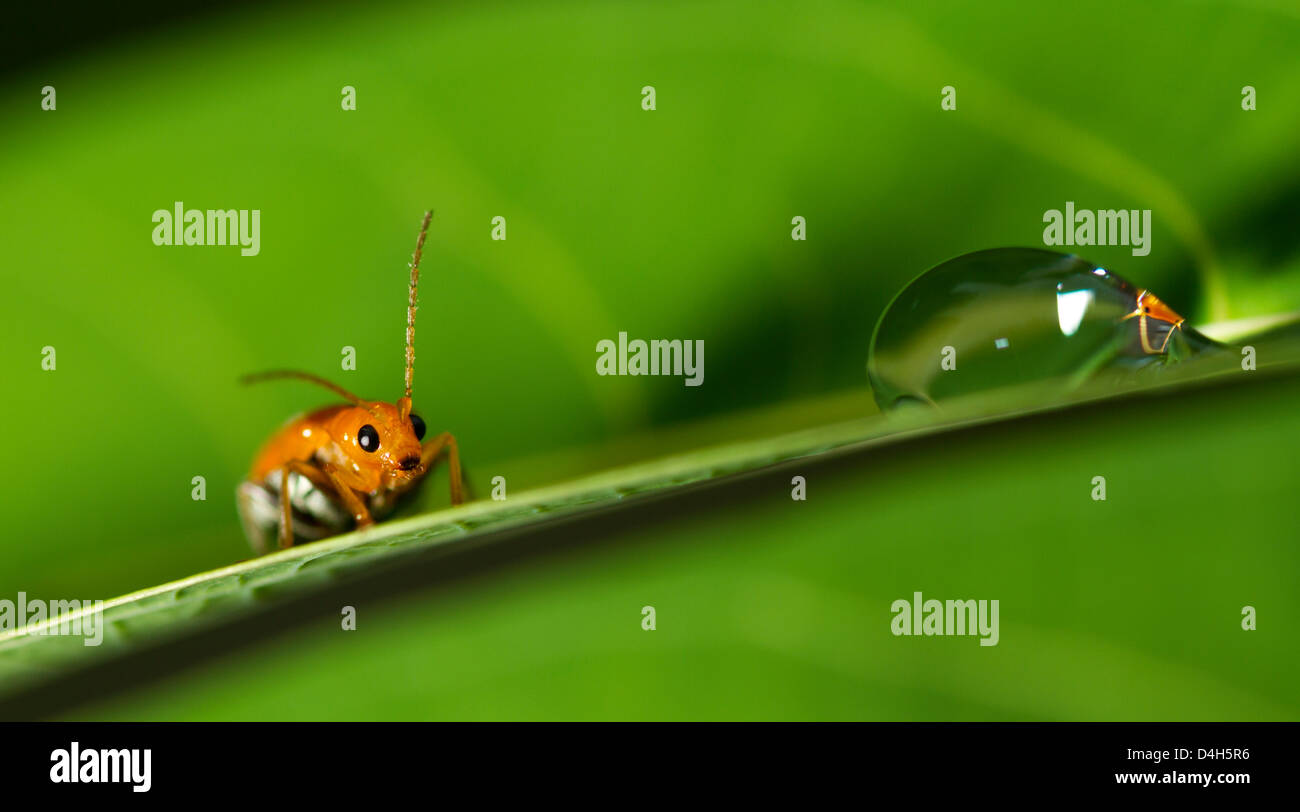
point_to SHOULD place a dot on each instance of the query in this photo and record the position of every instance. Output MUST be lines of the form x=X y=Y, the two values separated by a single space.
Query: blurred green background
x=672 y=223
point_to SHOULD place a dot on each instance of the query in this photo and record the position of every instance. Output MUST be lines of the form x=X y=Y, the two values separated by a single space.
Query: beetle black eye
x=417 y=423
x=368 y=438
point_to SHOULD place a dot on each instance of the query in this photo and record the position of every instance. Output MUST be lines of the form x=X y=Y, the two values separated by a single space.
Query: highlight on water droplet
x=1071 y=305
x=1014 y=316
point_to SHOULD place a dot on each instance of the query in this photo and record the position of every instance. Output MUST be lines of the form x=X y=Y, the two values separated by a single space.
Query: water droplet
x=1012 y=316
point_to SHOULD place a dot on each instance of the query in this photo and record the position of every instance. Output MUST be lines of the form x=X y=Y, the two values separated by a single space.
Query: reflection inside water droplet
x=1013 y=316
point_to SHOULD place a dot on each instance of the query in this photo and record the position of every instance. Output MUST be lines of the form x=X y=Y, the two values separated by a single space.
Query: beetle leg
x=317 y=478
x=1170 y=335
x=430 y=453
x=1142 y=332
x=324 y=479
x=286 y=510
x=350 y=499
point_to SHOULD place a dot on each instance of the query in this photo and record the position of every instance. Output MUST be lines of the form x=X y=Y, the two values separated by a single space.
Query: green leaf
x=151 y=619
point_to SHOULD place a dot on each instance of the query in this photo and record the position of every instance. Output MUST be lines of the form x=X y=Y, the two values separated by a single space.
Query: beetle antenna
x=410 y=303
x=274 y=374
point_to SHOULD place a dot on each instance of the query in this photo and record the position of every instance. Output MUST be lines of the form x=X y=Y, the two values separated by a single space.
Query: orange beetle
x=342 y=466
x=1150 y=307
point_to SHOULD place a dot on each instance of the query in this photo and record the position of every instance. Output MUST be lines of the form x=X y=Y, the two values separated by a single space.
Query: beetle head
x=377 y=435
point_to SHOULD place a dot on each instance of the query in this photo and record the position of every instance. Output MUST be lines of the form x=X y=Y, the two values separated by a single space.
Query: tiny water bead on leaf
x=1008 y=317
